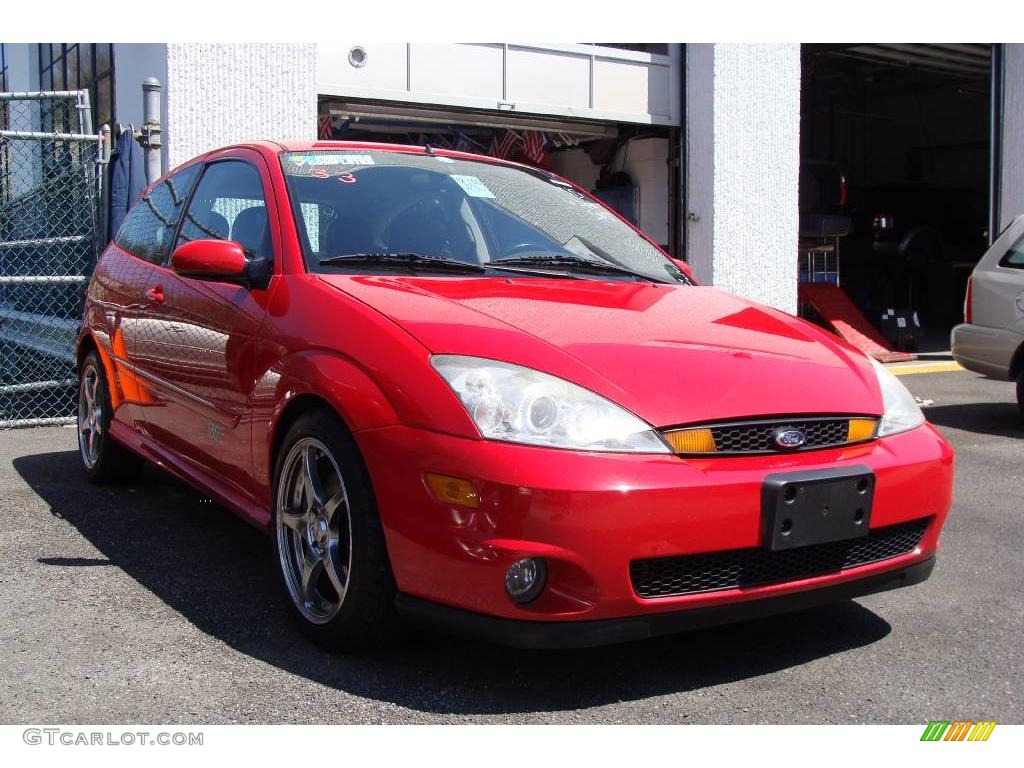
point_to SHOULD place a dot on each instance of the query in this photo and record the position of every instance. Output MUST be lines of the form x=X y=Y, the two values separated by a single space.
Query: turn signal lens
x=691 y=441
x=453 y=490
x=860 y=429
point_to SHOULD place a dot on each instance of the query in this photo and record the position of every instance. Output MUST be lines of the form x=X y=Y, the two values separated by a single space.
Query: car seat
x=250 y=230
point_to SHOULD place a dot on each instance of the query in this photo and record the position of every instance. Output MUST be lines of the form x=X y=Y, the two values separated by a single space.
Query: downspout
x=996 y=144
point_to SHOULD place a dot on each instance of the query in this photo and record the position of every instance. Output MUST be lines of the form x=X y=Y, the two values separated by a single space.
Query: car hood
x=670 y=354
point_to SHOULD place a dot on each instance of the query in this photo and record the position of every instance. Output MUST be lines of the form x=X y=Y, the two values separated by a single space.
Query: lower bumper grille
x=711 y=571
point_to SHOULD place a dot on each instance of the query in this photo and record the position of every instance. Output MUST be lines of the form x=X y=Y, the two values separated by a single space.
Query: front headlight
x=520 y=405
x=901 y=410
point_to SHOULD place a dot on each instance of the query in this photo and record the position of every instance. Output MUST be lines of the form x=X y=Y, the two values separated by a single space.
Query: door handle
x=155 y=295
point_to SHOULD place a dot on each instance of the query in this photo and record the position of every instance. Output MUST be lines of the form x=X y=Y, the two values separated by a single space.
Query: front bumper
x=586 y=634
x=590 y=514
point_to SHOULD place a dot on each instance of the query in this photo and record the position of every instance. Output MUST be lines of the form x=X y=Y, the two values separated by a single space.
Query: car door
x=199 y=350
x=118 y=299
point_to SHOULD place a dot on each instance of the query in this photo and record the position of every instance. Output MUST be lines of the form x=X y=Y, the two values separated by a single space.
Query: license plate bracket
x=816 y=506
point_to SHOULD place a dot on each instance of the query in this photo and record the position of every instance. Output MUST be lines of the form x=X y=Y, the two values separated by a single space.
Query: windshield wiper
x=419 y=261
x=409 y=260
x=570 y=262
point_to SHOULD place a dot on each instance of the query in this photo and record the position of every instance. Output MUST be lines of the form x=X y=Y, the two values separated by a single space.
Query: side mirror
x=221 y=261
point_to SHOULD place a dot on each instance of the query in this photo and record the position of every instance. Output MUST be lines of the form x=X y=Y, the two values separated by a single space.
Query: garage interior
x=625 y=165
x=895 y=148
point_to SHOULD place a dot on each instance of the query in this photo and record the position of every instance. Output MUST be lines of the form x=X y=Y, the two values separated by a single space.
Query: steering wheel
x=423 y=197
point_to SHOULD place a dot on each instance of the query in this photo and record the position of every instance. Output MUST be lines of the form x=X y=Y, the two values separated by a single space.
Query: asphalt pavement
x=148 y=604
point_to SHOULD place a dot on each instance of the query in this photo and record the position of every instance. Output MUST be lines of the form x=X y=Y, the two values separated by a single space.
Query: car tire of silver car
x=103 y=459
x=1020 y=393
x=328 y=539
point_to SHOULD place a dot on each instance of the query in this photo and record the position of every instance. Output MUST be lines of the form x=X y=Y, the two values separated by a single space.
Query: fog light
x=525 y=579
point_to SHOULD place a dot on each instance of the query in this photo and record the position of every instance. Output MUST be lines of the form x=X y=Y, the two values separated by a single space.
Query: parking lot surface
x=147 y=603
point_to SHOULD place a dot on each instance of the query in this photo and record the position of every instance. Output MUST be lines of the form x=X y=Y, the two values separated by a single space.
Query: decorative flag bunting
x=503 y=144
x=534 y=144
x=324 y=127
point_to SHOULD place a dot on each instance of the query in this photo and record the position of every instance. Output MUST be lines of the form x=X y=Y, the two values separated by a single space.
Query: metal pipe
x=41 y=279
x=35 y=386
x=84 y=112
x=995 y=200
x=151 y=129
x=56 y=422
x=37 y=95
x=38 y=136
x=67 y=239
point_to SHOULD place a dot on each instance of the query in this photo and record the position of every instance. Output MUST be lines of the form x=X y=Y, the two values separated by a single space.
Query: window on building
x=75 y=67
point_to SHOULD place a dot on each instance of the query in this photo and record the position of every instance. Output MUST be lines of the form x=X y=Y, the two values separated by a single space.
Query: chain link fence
x=50 y=178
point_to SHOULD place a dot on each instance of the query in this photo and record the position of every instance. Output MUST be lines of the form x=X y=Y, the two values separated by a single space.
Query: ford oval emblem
x=789 y=438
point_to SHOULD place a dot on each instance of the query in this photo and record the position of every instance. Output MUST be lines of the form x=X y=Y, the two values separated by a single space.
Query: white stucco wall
x=1011 y=195
x=743 y=161
x=219 y=94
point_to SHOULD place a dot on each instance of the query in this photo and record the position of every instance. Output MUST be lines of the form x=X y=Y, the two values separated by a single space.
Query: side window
x=149 y=226
x=229 y=205
x=1014 y=257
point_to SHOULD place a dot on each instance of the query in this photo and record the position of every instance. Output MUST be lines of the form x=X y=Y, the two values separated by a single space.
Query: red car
x=462 y=391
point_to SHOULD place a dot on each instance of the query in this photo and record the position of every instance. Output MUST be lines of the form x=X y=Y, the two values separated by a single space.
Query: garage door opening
x=895 y=146
x=625 y=165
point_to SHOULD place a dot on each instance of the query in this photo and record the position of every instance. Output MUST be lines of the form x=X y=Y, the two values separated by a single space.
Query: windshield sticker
x=331 y=159
x=472 y=186
x=347 y=178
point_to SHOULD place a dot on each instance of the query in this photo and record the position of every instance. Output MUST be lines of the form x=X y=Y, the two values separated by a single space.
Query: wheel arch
x=1017 y=363
x=307 y=379
x=86 y=344
x=292 y=411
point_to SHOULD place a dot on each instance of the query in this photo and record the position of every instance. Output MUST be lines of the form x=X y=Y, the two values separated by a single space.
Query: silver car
x=991 y=338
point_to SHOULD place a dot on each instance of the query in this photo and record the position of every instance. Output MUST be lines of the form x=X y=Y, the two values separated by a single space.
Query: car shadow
x=988 y=418
x=217 y=572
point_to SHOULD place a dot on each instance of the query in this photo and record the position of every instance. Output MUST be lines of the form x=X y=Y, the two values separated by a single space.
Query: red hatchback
x=462 y=391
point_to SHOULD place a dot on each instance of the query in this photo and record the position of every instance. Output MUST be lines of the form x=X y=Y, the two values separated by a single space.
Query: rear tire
x=1020 y=393
x=328 y=540
x=104 y=460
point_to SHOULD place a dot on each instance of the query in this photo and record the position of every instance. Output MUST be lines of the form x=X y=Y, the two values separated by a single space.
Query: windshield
x=371 y=203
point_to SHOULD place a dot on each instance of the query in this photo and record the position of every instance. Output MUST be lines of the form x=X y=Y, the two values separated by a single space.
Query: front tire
x=328 y=539
x=103 y=459
x=1020 y=393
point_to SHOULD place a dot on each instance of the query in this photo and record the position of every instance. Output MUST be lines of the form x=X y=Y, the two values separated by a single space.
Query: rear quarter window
x=1014 y=257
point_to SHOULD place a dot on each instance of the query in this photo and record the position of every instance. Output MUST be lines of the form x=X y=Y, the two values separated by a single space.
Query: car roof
x=295 y=145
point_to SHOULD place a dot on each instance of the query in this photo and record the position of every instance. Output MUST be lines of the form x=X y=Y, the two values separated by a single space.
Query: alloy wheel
x=90 y=416
x=314 y=531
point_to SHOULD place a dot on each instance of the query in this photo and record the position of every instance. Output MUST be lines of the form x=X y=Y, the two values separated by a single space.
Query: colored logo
x=958 y=730
x=787 y=437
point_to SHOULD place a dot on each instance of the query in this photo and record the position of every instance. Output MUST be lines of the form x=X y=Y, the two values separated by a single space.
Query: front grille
x=757 y=437
x=734 y=568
